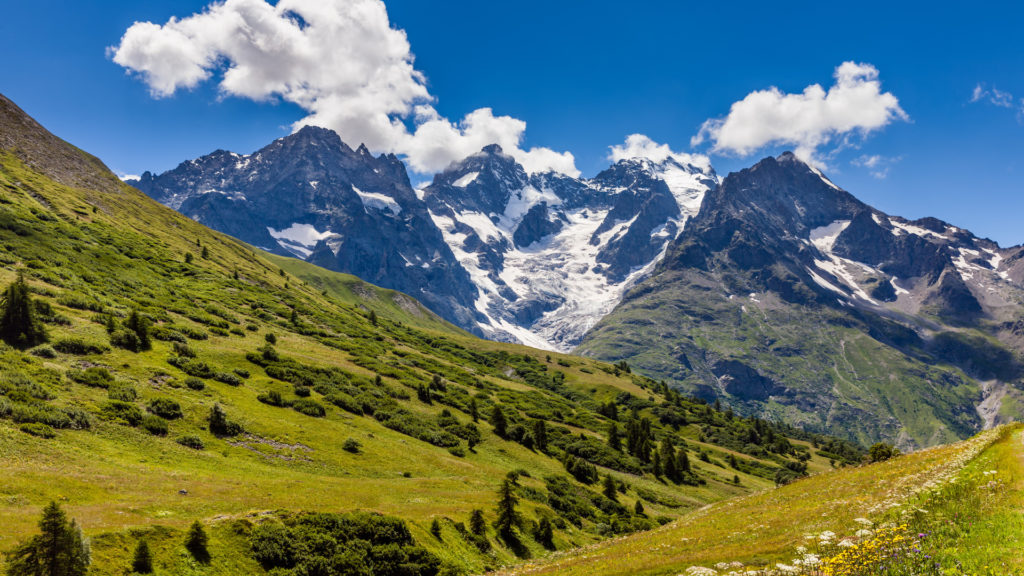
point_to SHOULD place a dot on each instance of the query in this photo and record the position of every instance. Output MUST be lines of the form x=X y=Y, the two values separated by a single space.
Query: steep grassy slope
x=811 y=366
x=348 y=361
x=765 y=530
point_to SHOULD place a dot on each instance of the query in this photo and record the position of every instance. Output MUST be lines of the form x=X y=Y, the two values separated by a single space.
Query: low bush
x=94 y=376
x=79 y=347
x=165 y=408
x=155 y=425
x=194 y=383
x=351 y=445
x=309 y=407
x=121 y=412
x=353 y=543
x=122 y=392
x=37 y=429
x=272 y=398
x=227 y=378
x=44 y=351
x=193 y=442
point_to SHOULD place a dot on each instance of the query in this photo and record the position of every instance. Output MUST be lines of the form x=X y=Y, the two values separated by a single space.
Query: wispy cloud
x=854 y=106
x=340 y=60
x=876 y=165
x=996 y=97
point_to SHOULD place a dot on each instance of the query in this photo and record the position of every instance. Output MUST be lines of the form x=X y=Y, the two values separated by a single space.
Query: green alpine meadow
x=405 y=288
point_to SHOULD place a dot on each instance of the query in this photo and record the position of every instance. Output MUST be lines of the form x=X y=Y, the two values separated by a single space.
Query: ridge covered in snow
x=551 y=255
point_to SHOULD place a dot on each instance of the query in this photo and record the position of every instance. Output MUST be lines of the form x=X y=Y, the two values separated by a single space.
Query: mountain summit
x=311 y=196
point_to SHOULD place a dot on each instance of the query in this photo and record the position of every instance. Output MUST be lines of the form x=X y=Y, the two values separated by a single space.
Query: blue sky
x=584 y=75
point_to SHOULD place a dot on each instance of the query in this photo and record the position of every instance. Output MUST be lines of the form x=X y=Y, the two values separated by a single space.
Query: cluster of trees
x=61 y=549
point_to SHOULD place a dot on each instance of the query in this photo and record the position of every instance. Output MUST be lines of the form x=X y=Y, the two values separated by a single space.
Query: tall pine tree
x=19 y=325
x=508 y=516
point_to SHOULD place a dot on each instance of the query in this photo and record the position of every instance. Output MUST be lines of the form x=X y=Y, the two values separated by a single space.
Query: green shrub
x=220 y=425
x=309 y=407
x=351 y=445
x=44 y=352
x=121 y=412
x=122 y=392
x=191 y=366
x=79 y=347
x=241 y=373
x=345 y=402
x=271 y=397
x=353 y=543
x=194 y=383
x=37 y=429
x=155 y=425
x=166 y=334
x=193 y=442
x=165 y=408
x=183 y=350
x=94 y=376
x=40 y=414
x=227 y=378
x=272 y=545
x=192 y=333
x=79 y=302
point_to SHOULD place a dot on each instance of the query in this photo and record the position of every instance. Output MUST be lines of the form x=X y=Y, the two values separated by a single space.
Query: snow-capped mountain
x=536 y=259
x=552 y=254
x=310 y=196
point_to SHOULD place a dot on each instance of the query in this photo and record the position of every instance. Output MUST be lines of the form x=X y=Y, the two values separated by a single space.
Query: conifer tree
x=682 y=462
x=540 y=435
x=196 y=542
x=142 y=563
x=140 y=325
x=508 y=516
x=473 y=411
x=498 y=421
x=19 y=325
x=545 y=535
x=614 y=440
x=668 y=458
x=476 y=523
x=59 y=549
x=609 y=489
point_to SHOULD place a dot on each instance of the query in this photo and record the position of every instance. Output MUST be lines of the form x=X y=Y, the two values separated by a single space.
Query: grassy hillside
x=340 y=397
x=948 y=510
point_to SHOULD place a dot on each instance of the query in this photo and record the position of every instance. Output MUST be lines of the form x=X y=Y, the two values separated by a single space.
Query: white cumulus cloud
x=641 y=146
x=340 y=60
x=853 y=105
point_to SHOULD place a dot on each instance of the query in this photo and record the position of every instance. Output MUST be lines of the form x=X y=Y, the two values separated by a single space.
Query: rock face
x=311 y=196
x=787 y=297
